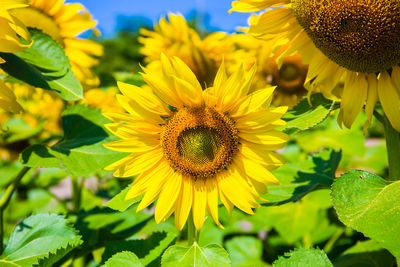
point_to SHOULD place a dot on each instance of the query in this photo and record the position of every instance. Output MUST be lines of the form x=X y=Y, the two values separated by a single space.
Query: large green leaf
x=305 y=116
x=370 y=205
x=302 y=177
x=303 y=258
x=81 y=151
x=211 y=255
x=367 y=254
x=245 y=251
x=120 y=203
x=148 y=249
x=294 y=221
x=41 y=238
x=44 y=65
x=125 y=259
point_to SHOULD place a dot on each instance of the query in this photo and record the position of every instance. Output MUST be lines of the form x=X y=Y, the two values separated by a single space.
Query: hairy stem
x=192 y=236
x=393 y=149
x=5 y=200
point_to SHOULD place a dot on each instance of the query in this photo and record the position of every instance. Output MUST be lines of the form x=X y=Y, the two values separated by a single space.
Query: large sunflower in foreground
x=190 y=147
x=350 y=42
x=63 y=22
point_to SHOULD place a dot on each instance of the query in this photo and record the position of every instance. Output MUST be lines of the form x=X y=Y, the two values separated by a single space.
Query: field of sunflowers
x=174 y=145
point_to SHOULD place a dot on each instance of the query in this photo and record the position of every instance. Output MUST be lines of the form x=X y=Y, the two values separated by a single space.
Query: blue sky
x=106 y=11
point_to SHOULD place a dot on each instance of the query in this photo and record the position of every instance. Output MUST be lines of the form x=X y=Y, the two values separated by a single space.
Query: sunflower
x=174 y=37
x=8 y=101
x=63 y=22
x=288 y=75
x=10 y=42
x=190 y=147
x=351 y=42
x=41 y=108
x=103 y=99
x=12 y=28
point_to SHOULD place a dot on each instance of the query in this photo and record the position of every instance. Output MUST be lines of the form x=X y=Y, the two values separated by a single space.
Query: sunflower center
x=291 y=76
x=199 y=142
x=35 y=18
x=360 y=35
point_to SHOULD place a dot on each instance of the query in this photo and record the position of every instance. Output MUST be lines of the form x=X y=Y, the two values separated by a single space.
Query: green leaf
x=126 y=259
x=129 y=77
x=365 y=253
x=301 y=178
x=44 y=65
x=148 y=250
x=45 y=53
x=370 y=205
x=81 y=151
x=211 y=255
x=305 y=116
x=245 y=251
x=120 y=203
x=17 y=129
x=303 y=258
x=295 y=220
x=41 y=238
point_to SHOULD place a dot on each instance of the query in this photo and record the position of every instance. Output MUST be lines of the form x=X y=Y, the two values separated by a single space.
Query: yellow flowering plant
x=179 y=145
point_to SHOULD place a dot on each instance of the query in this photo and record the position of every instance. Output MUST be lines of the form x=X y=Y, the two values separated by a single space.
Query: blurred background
x=114 y=16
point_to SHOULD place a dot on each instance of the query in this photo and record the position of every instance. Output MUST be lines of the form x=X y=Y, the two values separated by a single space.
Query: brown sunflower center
x=291 y=75
x=199 y=142
x=360 y=35
x=35 y=18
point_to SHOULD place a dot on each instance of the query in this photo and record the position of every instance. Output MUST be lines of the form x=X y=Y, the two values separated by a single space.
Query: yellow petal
x=155 y=187
x=236 y=194
x=199 y=203
x=168 y=196
x=353 y=99
x=390 y=99
x=372 y=97
x=212 y=200
x=139 y=163
x=184 y=203
x=145 y=179
x=255 y=5
x=255 y=170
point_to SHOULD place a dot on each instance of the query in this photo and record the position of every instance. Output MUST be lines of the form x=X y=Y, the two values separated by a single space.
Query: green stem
x=393 y=149
x=5 y=200
x=329 y=245
x=192 y=237
x=77 y=184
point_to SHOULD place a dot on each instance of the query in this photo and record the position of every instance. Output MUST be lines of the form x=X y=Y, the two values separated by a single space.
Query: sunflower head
x=191 y=146
x=175 y=38
x=63 y=22
x=12 y=29
x=362 y=36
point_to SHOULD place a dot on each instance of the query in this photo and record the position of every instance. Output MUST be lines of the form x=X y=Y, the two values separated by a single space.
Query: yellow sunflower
x=63 y=22
x=103 y=99
x=190 y=147
x=288 y=75
x=40 y=108
x=11 y=31
x=351 y=42
x=174 y=37
x=8 y=101
x=11 y=28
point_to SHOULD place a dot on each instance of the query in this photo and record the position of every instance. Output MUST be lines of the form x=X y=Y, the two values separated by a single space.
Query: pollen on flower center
x=199 y=142
x=360 y=35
